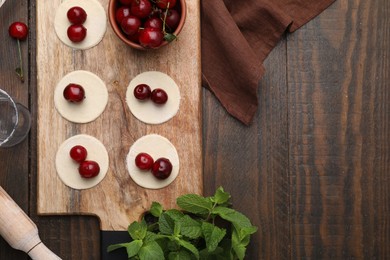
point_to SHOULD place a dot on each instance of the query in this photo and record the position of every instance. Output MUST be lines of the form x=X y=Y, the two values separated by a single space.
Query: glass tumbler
x=15 y=121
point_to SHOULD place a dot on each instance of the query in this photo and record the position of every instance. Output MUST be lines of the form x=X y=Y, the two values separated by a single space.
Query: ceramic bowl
x=115 y=4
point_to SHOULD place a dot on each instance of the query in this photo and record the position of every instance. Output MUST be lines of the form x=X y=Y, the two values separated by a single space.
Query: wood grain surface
x=312 y=171
x=117 y=200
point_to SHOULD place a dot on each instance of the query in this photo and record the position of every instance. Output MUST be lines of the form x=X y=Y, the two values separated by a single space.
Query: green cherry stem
x=19 y=70
x=167 y=36
x=165 y=17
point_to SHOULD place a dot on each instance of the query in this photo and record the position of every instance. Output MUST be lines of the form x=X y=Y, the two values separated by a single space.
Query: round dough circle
x=67 y=168
x=96 y=97
x=95 y=24
x=157 y=146
x=147 y=111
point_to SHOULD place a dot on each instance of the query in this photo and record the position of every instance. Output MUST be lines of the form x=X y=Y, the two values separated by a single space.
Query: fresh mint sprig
x=204 y=228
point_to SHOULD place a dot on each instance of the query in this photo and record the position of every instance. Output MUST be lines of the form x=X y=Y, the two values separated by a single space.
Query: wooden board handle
x=19 y=230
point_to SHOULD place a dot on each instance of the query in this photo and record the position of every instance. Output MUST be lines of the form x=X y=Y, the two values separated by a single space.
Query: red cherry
x=172 y=20
x=76 y=15
x=162 y=168
x=134 y=37
x=18 y=30
x=150 y=37
x=142 y=92
x=74 y=93
x=144 y=161
x=78 y=153
x=159 y=96
x=89 y=169
x=130 y=25
x=154 y=22
x=126 y=2
x=122 y=12
x=163 y=4
x=141 y=8
x=77 y=32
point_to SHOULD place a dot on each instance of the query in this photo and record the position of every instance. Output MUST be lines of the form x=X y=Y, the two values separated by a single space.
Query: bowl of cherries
x=147 y=24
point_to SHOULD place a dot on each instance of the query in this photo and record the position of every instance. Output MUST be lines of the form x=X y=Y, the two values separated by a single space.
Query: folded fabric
x=237 y=36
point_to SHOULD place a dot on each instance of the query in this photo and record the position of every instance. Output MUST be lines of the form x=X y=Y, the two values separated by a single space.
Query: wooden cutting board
x=117 y=200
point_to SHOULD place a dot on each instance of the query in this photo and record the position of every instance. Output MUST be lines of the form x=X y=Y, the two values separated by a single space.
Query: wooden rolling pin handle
x=19 y=230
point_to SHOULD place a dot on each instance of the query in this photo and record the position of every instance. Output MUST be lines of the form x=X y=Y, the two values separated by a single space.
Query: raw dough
x=96 y=23
x=96 y=97
x=147 y=111
x=157 y=146
x=67 y=168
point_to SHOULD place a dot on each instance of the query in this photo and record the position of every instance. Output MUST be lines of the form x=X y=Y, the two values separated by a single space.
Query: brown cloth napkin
x=237 y=36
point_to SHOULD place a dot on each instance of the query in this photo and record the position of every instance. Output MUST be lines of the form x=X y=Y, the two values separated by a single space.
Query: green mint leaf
x=166 y=224
x=176 y=228
x=137 y=230
x=151 y=251
x=212 y=235
x=173 y=245
x=240 y=251
x=194 y=203
x=132 y=248
x=174 y=214
x=180 y=255
x=170 y=37
x=156 y=209
x=217 y=254
x=190 y=247
x=245 y=232
x=150 y=236
x=220 y=196
x=111 y=248
x=238 y=248
x=190 y=227
x=238 y=219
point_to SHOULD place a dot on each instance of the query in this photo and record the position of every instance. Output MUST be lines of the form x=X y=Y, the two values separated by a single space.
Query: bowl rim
x=119 y=33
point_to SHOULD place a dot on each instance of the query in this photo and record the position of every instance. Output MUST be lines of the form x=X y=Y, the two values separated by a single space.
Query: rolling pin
x=20 y=231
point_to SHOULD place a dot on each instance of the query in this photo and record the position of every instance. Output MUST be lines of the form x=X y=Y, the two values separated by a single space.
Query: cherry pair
x=76 y=31
x=161 y=168
x=87 y=168
x=143 y=92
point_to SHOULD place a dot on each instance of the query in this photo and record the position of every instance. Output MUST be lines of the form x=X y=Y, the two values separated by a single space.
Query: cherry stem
x=165 y=17
x=20 y=71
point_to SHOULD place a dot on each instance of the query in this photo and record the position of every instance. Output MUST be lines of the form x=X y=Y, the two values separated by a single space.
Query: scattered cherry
x=162 y=168
x=76 y=15
x=130 y=25
x=154 y=22
x=159 y=96
x=164 y=4
x=141 y=8
x=122 y=12
x=142 y=92
x=77 y=32
x=144 y=161
x=150 y=37
x=78 y=153
x=19 y=31
x=89 y=169
x=74 y=93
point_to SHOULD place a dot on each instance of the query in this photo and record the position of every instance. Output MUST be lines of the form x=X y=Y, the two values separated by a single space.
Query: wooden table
x=312 y=171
